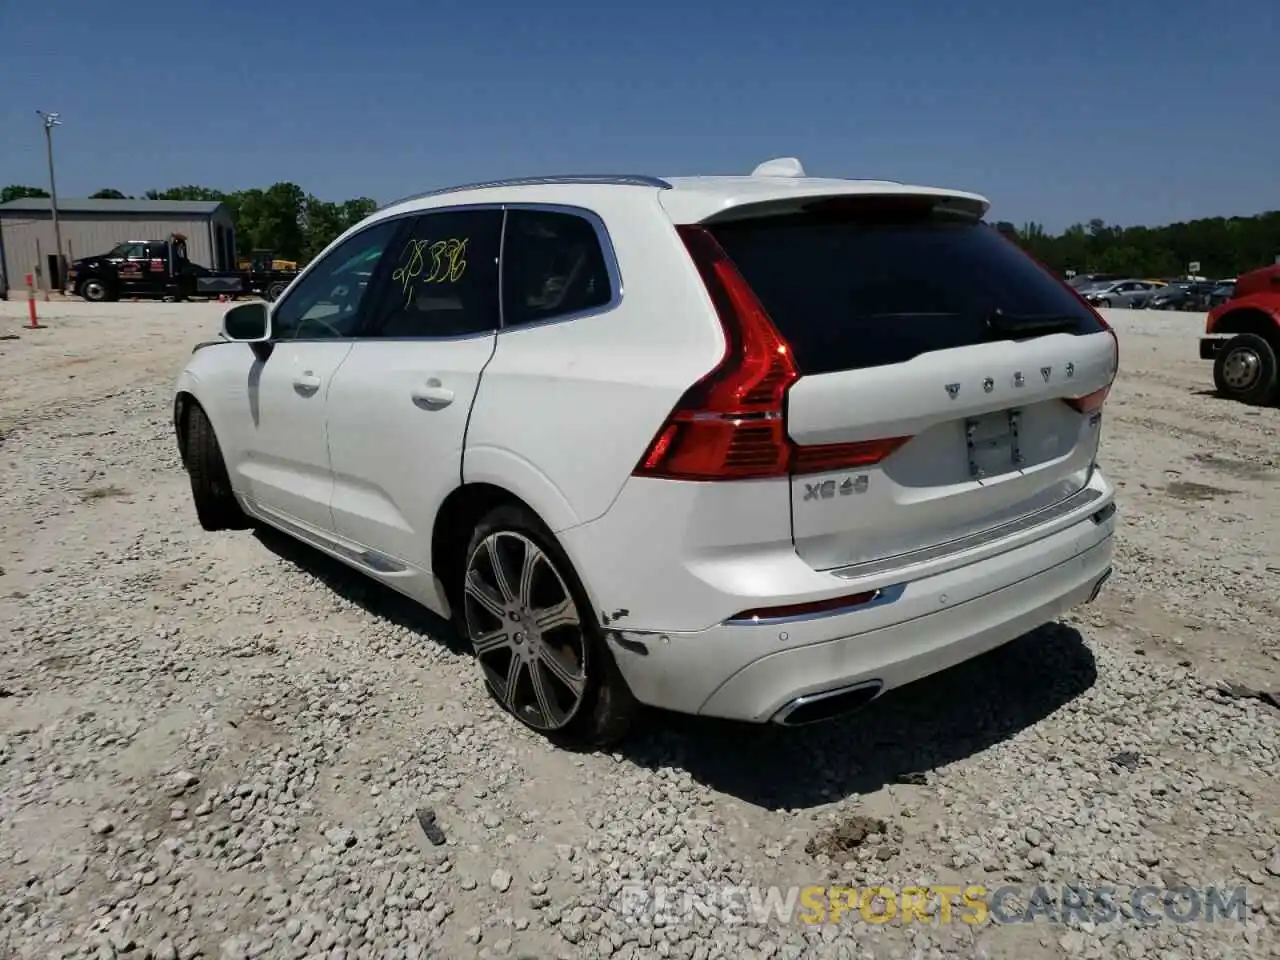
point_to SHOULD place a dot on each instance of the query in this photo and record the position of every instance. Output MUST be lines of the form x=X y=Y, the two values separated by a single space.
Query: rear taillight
x=1093 y=402
x=843 y=456
x=730 y=425
x=1090 y=403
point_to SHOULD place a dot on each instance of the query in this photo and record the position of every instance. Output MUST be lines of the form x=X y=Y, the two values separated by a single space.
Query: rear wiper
x=1030 y=323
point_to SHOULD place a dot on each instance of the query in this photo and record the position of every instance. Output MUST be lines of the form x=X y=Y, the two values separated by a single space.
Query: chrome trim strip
x=379 y=562
x=624 y=179
x=1026 y=522
x=880 y=598
x=803 y=701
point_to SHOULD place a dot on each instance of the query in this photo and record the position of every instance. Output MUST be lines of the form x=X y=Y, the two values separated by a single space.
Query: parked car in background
x=834 y=436
x=1242 y=338
x=1082 y=281
x=1221 y=293
x=1120 y=293
x=1181 y=295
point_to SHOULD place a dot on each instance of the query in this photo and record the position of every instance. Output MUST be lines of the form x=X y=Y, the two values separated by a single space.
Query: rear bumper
x=1209 y=347
x=753 y=672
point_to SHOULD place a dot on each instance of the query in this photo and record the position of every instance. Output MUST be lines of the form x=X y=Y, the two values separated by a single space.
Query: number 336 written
x=427 y=261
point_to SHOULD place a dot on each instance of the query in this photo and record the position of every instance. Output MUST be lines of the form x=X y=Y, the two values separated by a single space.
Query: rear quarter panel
x=566 y=409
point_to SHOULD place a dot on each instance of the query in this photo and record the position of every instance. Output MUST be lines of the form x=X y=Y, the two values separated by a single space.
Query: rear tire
x=274 y=291
x=561 y=679
x=216 y=506
x=1246 y=369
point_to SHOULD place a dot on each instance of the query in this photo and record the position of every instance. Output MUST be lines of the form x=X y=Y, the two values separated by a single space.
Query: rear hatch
x=913 y=320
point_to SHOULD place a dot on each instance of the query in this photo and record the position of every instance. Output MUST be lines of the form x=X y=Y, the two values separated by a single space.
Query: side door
x=155 y=273
x=132 y=269
x=281 y=460
x=399 y=407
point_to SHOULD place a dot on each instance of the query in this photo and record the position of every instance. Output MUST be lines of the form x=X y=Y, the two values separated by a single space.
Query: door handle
x=306 y=381
x=432 y=394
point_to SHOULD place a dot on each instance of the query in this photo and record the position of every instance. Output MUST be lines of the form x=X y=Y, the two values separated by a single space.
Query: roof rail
x=631 y=180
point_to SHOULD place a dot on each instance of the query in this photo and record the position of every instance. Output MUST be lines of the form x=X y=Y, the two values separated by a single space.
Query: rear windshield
x=871 y=284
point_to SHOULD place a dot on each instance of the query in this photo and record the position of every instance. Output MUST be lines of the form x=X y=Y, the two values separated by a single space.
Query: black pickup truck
x=161 y=268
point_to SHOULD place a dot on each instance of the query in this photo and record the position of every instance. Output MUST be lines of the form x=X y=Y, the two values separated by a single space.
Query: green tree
x=189 y=192
x=17 y=192
x=1223 y=246
x=108 y=194
x=271 y=219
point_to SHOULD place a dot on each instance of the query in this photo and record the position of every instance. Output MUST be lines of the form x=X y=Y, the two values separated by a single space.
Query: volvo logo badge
x=1019 y=379
x=988 y=385
x=1044 y=372
x=952 y=390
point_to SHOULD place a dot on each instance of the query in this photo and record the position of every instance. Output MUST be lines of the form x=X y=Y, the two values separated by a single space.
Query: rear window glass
x=882 y=283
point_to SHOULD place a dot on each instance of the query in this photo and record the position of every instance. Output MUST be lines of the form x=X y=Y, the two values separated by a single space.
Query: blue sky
x=1137 y=112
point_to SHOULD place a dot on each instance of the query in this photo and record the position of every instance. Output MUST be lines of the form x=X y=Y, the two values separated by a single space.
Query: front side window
x=330 y=301
x=442 y=279
x=129 y=251
x=552 y=266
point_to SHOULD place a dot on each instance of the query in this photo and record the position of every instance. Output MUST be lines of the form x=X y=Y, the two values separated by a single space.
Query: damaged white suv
x=754 y=447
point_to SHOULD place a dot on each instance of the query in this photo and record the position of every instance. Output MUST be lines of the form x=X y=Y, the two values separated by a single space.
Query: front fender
x=185 y=391
x=1268 y=303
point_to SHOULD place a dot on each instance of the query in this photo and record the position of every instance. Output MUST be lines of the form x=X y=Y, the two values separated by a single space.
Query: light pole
x=50 y=121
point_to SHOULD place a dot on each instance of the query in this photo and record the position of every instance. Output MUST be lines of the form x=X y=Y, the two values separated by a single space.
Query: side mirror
x=248 y=322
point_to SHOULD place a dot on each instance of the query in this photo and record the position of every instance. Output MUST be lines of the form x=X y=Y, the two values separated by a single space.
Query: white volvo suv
x=754 y=447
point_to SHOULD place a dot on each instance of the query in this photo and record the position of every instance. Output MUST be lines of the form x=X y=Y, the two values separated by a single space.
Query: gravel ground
x=216 y=744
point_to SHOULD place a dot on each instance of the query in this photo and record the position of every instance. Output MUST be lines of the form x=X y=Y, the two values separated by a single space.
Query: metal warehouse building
x=95 y=226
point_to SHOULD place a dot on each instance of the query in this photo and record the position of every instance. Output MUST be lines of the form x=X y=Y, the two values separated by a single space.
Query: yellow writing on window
x=427 y=261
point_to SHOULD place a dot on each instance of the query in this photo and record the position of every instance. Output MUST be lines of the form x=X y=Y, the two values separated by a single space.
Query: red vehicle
x=1242 y=338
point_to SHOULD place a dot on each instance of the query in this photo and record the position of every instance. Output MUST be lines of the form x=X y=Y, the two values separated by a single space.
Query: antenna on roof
x=781 y=167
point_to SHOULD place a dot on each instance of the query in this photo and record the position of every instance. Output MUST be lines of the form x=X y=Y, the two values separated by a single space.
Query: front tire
x=274 y=291
x=95 y=291
x=216 y=506
x=1246 y=369
x=538 y=643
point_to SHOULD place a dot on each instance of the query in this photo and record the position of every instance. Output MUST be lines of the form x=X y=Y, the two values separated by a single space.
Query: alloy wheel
x=526 y=630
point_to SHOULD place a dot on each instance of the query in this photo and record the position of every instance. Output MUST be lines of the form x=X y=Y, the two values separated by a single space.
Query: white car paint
x=354 y=445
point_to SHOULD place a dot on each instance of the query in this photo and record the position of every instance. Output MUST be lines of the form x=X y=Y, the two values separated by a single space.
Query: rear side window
x=553 y=266
x=875 y=283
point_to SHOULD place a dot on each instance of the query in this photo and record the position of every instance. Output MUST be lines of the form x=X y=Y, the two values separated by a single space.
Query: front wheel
x=1246 y=369
x=95 y=291
x=274 y=291
x=216 y=506
x=539 y=646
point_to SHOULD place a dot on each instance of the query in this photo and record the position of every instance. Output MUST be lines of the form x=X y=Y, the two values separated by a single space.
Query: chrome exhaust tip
x=827 y=704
